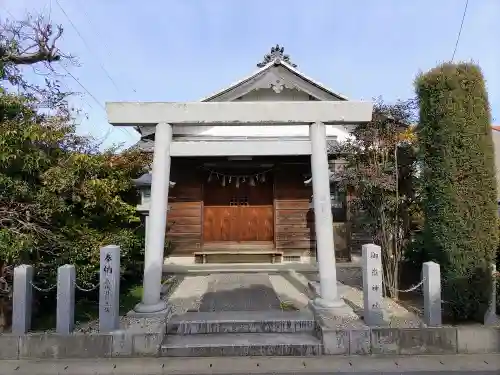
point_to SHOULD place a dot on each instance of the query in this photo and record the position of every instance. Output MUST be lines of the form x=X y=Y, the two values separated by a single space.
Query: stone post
x=22 y=299
x=65 y=314
x=157 y=223
x=490 y=318
x=373 y=314
x=431 y=275
x=323 y=221
x=109 y=289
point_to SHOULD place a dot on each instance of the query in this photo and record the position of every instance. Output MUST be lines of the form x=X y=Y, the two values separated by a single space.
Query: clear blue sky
x=160 y=50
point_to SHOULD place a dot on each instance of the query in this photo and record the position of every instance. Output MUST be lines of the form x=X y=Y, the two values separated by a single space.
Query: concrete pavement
x=421 y=365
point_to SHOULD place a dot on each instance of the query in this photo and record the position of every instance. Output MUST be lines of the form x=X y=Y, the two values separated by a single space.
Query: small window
x=239 y=201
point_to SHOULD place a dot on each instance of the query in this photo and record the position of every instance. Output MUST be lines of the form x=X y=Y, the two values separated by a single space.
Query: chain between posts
x=46 y=290
x=94 y=287
x=413 y=288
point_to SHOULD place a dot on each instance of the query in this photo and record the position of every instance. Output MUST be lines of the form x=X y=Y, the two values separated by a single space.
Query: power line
x=460 y=30
x=83 y=87
x=110 y=130
x=87 y=45
x=98 y=103
x=100 y=64
x=108 y=133
x=94 y=28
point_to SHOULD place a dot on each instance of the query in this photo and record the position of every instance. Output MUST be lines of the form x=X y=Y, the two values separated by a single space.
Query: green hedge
x=459 y=184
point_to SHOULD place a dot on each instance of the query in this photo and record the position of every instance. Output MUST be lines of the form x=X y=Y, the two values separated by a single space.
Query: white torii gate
x=165 y=116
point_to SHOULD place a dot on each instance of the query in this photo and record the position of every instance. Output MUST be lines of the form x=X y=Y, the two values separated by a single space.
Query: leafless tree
x=29 y=42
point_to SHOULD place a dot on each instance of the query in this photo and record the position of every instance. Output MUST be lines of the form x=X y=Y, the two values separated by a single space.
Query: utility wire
x=111 y=128
x=94 y=28
x=460 y=30
x=97 y=59
x=89 y=20
x=83 y=87
x=108 y=133
x=87 y=45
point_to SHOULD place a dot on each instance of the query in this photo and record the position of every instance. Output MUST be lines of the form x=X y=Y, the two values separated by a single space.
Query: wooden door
x=238 y=214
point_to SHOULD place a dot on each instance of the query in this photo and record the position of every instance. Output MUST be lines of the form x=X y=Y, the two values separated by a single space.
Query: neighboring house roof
x=145 y=181
x=496 y=127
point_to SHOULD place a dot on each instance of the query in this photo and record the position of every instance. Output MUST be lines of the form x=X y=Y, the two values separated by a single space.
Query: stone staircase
x=241 y=333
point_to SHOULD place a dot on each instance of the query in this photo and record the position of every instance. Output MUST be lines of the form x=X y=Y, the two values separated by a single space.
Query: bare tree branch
x=30 y=42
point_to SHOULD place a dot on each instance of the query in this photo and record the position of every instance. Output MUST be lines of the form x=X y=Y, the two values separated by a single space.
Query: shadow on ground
x=253 y=297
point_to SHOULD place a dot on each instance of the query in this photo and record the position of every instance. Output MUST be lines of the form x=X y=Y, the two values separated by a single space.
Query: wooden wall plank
x=294 y=222
x=184 y=220
x=301 y=204
x=187 y=212
x=185 y=209
x=180 y=228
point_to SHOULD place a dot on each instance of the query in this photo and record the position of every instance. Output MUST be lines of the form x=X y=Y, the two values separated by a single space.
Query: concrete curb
x=79 y=346
x=451 y=364
x=410 y=341
x=366 y=341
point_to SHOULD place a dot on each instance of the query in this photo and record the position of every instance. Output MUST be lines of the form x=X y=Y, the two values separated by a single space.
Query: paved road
x=493 y=372
x=412 y=365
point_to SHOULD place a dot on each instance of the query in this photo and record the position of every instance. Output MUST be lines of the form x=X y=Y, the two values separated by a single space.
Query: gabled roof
x=274 y=59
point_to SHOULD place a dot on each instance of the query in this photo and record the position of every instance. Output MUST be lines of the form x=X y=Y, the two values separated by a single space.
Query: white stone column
x=146 y=226
x=156 y=223
x=323 y=218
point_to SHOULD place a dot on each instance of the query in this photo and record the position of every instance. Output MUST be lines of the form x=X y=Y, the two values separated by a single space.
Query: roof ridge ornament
x=277 y=55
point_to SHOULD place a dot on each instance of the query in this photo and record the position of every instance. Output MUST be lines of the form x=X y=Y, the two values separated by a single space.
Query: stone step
x=241 y=344
x=192 y=323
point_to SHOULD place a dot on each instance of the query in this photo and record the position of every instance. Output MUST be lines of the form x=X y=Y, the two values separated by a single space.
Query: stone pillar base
x=324 y=304
x=159 y=308
x=341 y=316
x=336 y=310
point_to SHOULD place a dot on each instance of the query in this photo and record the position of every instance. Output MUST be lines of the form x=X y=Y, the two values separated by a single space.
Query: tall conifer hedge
x=459 y=184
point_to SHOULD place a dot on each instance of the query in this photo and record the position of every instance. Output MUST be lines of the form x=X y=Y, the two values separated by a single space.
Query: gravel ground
x=187 y=296
x=288 y=293
x=143 y=325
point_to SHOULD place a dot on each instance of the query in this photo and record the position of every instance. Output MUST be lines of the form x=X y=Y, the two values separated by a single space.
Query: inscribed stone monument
x=372 y=285
x=109 y=289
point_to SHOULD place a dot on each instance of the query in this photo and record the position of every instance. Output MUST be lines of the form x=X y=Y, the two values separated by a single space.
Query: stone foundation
x=388 y=341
